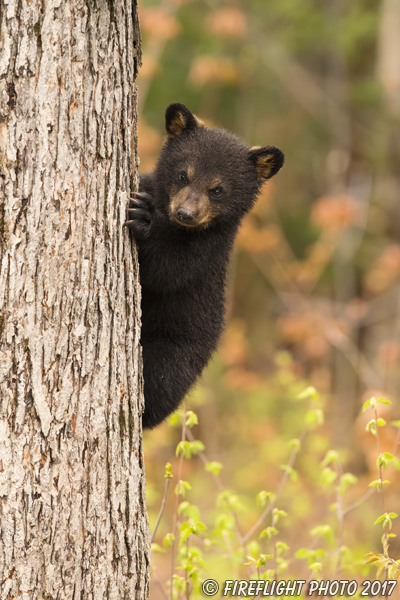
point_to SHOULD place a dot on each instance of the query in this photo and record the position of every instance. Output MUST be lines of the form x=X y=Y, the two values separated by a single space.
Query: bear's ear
x=267 y=160
x=178 y=119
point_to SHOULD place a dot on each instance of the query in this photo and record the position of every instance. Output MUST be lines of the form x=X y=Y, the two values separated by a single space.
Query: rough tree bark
x=72 y=506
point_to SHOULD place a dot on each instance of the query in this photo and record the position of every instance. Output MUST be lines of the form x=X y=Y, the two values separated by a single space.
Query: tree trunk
x=72 y=507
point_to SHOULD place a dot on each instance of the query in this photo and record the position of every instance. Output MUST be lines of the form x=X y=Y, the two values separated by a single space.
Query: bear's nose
x=185 y=215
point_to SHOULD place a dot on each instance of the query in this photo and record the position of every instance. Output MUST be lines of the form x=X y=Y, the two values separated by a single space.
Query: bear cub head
x=208 y=177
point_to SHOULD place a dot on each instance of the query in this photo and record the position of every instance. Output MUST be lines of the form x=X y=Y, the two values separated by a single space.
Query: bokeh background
x=314 y=291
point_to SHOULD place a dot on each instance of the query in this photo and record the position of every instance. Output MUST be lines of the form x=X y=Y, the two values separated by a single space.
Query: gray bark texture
x=73 y=520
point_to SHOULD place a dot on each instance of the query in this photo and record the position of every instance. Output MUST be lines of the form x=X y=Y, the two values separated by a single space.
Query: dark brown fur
x=184 y=219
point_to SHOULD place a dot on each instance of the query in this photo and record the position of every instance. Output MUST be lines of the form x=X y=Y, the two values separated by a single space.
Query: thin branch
x=174 y=529
x=167 y=482
x=358 y=503
x=340 y=516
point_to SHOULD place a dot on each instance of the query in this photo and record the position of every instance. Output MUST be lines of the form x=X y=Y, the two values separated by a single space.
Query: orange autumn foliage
x=335 y=212
x=212 y=69
x=385 y=269
x=228 y=22
x=157 y=22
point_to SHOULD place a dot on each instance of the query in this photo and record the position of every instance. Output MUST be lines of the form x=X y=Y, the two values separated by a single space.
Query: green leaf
x=283 y=564
x=214 y=467
x=169 y=539
x=224 y=522
x=183 y=448
x=269 y=532
x=187 y=449
x=380 y=422
x=331 y=456
x=254 y=548
x=328 y=476
x=263 y=497
x=262 y=559
x=174 y=419
x=375 y=483
x=269 y=574
x=168 y=471
x=189 y=510
x=384 y=401
x=384 y=459
x=290 y=471
x=279 y=513
x=236 y=504
x=388 y=455
x=181 y=487
x=315 y=568
x=366 y=405
x=182 y=507
x=314 y=417
x=197 y=446
x=309 y=393
x=346 y=480
x=387 y=458
x=386 y=520
x=325 y=531
x=227 y=498
x=380 y=519
x=198 y=526
x=185 y=532
x=281 y=547
x=190 y=527
x=295 y=444
x=191 y=419
x=371 y=426
x=378 y=484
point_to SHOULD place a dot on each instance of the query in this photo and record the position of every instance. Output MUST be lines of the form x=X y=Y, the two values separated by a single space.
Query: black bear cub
x=184 y=219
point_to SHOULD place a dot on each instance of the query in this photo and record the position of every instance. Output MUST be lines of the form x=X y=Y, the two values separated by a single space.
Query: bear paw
x=141 y=213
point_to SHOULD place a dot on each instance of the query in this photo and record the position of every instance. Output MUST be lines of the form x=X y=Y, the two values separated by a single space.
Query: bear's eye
x=217 y=191
x=183 y=177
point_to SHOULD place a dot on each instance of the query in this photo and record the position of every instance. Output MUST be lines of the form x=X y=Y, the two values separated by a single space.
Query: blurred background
x=314 y=281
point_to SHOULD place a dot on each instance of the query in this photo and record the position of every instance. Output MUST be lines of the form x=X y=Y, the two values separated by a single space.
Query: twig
x=357 y=503
x=177 y=500
x=340 y=516
x=167 y=482
x=378 y=445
